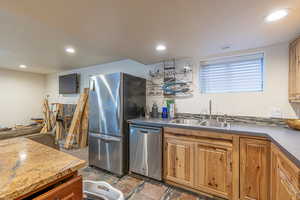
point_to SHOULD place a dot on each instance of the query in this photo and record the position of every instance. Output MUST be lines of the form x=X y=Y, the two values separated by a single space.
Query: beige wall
x=21 y=96
x=127 y=66
x=272 y=102
x=22 y=93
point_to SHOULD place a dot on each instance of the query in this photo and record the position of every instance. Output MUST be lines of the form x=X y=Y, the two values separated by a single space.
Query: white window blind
x=235 y=74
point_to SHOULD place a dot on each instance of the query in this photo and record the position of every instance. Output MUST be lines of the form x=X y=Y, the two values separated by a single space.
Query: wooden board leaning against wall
x=77 y=133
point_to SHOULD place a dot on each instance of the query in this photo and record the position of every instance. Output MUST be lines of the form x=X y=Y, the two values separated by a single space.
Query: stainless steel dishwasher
x=146 y=151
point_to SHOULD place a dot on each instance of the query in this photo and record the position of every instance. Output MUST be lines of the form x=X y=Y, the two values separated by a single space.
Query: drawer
x=70 y=190
x=198 y=133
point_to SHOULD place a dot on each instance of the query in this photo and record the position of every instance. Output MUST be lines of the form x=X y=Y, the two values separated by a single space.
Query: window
x=235 y=74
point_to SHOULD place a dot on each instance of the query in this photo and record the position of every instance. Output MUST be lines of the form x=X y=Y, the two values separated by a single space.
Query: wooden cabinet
x=213 y=167
x=284 y=189
x=70 y=190
x=233 y=167
x=200 y=164
x=68 y=187
x=285 y=177
x=179 y=160
x=254 y=169
x=294 y=71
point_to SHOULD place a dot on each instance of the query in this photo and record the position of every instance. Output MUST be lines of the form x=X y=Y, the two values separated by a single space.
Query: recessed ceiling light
x=70 y=50
x=23 y=66
x=277 y=15
x=161 y=47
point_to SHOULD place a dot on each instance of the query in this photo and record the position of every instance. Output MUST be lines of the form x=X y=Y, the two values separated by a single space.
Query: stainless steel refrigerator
x=113 y=99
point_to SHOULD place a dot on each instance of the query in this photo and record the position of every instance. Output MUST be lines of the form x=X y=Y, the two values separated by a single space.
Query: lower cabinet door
x=284 y=189
x=179 y=161
x=213 y=169
x=254 y=169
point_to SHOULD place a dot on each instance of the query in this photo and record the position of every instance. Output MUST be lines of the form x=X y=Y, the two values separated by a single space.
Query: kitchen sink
x=214 y=123
x=198 y=122
x=186 y=121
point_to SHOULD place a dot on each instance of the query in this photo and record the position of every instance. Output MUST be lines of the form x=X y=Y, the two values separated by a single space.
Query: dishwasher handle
x=144 y=130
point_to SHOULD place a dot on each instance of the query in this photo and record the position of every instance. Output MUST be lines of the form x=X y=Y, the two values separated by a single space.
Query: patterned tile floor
x=135 y=187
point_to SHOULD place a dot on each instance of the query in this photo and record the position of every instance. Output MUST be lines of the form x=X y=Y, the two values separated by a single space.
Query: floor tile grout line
x=166 y=196
x=136 y=189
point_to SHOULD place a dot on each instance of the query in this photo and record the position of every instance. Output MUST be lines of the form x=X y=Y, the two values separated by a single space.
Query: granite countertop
x=286 y=139
x=20 y=132
x=26 y=165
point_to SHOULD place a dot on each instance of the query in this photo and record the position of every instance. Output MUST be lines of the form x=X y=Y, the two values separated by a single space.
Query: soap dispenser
x=164 y=113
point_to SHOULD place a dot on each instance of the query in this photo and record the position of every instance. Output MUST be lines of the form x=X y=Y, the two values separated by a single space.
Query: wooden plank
x=59 y=130
x=73 y=131
x=20 y=132
x=47 y=117
x=58 y=126
x=84 y=126
x=44 y=129
x=78 y=134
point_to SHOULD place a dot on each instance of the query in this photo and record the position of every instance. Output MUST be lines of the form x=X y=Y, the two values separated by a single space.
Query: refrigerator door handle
x=99 y=150
x=92 y=87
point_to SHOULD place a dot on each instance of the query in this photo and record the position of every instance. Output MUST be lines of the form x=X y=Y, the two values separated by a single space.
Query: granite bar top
x=286 y=139
x=26 y=165
x=19 y=132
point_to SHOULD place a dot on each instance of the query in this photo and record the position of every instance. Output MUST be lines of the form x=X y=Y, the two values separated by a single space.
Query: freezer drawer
x=106 y=152
x=146 y=151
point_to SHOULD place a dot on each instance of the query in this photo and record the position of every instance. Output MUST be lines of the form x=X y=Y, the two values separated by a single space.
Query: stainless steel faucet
x=210 y=109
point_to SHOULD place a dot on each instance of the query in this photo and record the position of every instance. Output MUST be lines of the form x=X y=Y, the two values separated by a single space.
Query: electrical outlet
x=276 y=113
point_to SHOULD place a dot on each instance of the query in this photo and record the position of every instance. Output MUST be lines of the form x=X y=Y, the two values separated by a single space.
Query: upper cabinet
x=294 y=71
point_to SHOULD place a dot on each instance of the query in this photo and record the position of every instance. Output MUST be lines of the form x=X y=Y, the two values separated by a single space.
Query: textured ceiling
x=35 y=32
